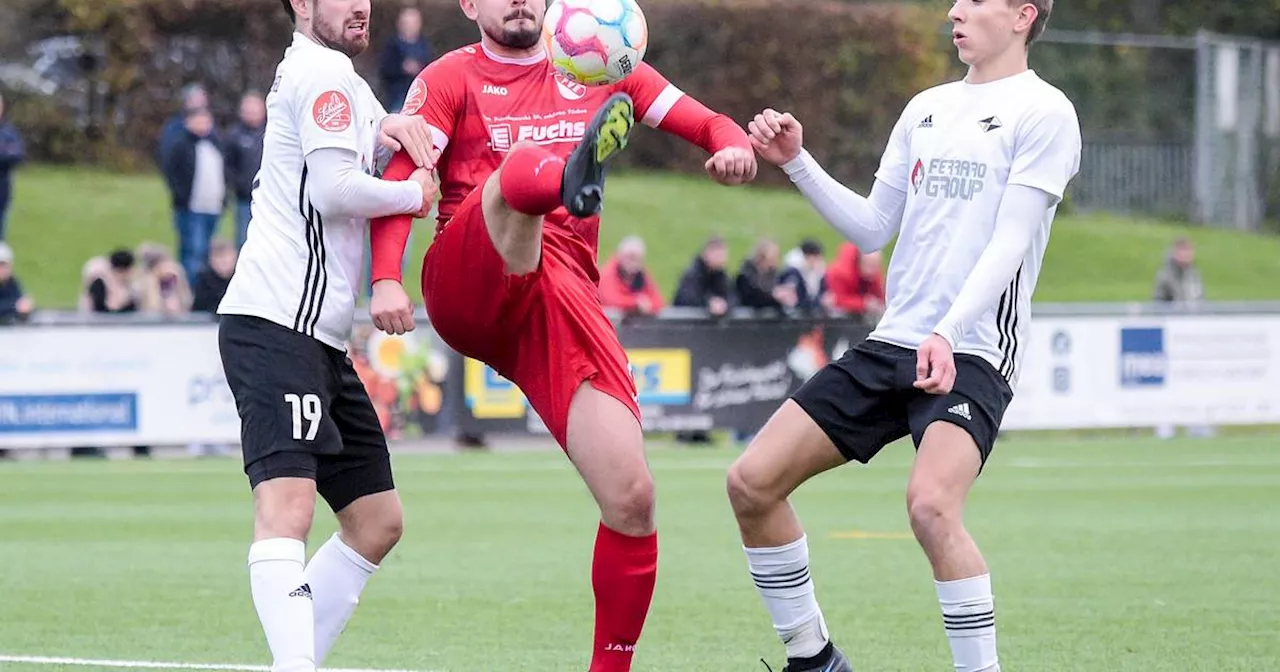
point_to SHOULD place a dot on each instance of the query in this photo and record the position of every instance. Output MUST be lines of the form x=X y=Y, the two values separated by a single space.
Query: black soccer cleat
x=582 y=187
x=830 y=659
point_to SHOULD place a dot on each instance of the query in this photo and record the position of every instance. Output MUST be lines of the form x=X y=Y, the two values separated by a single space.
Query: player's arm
x=1046 y=159
x=389 y=236
x=328 y=130
x=870 y=222
x=662 y=105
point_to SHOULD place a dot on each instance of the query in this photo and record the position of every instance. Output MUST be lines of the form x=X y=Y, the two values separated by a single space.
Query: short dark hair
x=122 y=260
x=811 y=247
x=288 y=8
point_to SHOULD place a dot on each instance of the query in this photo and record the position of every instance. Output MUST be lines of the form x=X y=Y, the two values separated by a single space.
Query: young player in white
x=307 y=425
x=970 y=181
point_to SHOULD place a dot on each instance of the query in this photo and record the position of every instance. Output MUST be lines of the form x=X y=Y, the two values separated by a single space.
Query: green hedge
x=844 y=70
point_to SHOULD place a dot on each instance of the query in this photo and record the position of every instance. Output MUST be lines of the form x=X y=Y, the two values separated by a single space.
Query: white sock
x=782 y=576
x=969 y=616
x=283 y=601
x=337 y=575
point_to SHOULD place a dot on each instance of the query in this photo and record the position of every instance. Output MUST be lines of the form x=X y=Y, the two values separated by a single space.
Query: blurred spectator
x=757 y=281
x=856 y=283
x=193 y=97
x=212 y=282
x=624 y=282
x=404 y=56
x=12 y=153
x=163 y=289
x=111 y=289
x=1178 y=281
x=705 y=284
x=194 y=170
x=14 y=304
x=244 y=157
x=806 y=275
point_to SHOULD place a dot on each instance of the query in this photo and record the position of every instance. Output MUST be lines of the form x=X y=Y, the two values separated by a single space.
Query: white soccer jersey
x=954 y=151
x=299 y=268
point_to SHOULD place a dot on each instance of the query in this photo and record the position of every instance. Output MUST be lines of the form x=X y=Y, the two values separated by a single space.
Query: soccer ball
x=595 y=42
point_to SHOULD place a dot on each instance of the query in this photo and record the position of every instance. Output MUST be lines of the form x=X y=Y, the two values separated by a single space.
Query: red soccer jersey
x=479 y=104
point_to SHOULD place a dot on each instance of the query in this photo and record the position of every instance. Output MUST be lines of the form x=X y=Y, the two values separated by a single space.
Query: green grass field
x=61 y=217
x=1121 y=555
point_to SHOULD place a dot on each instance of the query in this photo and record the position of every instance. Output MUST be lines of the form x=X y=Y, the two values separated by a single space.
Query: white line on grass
x=155 y=665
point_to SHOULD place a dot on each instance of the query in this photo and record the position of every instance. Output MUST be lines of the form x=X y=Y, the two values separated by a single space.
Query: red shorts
x=545 y=331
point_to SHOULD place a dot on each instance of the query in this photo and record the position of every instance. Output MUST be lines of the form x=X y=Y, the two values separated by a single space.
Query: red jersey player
x=511 y=277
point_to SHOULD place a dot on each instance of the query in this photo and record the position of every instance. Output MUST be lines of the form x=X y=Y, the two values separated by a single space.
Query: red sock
x=623 y=573
x=530 y=180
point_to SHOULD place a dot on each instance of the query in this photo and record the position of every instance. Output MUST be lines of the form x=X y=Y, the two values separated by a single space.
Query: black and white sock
x=969 y=616
x=781 y=574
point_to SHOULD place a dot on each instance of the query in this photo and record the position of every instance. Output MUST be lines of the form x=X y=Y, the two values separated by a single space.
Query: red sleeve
x=661 y=105
x=613 y=293
x=434 y=96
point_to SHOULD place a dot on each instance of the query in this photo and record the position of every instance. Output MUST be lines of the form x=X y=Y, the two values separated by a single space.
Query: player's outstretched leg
x=283 y=509
x=788 y=451
x=946 y=466
x=369 y=528
x=606 y=445
x=532 y=182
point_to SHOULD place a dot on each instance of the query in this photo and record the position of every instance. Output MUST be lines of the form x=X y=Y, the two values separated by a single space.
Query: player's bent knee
x=750 y=492
x=630 y=508
x=930 y=509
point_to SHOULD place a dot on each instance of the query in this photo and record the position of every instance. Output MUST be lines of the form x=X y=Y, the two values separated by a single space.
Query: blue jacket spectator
x=244 y=157
x=195 y=173
x=12 y=153
x=194 y=97
x=404 y=56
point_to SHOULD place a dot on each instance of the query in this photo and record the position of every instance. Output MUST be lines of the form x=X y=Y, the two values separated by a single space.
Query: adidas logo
x=961 y=410
x=928 y=122
x=302 y=591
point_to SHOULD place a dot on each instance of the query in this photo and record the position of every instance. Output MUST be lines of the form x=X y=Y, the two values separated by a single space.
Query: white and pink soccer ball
x=595 y=42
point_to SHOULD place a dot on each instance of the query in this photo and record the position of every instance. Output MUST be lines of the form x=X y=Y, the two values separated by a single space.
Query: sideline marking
x=156 y=665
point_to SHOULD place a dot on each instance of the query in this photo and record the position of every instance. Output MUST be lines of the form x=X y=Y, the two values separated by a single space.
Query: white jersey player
x=307 y=424
x=969 y=182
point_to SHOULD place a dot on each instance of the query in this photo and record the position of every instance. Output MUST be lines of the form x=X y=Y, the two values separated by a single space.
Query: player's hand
x=410 y=133
x=429 y=190
x=732 y=166
x=935 y=366
x=390 y=308
x=776 y=136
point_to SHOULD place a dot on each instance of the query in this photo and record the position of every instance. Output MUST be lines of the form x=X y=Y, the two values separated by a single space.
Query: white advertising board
x=1115 y=371
x=71 y=386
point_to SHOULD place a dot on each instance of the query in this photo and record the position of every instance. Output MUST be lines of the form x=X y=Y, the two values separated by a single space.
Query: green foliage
x=845 y=70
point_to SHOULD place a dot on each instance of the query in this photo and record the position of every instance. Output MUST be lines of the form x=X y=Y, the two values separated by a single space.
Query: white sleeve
x=1022 y=210
x=340 y=189
x=895 y=164
x=325 y=110
x=869 y=222
x=1047 y=153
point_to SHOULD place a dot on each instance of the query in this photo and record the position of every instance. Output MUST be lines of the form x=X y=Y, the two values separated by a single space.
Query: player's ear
x=1027 y=15
x=469 y=8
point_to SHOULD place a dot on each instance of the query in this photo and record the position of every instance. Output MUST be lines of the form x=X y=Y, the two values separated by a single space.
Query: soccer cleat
x=830 y=659
x=582 y=188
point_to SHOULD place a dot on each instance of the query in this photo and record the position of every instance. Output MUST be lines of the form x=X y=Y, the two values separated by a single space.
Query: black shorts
x=303 y=411
x=866 y=400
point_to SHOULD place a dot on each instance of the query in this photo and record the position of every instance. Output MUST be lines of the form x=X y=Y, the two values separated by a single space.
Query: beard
x=516 y=38
x=334 y=38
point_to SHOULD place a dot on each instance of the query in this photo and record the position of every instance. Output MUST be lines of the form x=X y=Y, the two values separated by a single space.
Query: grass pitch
x=1110 y=554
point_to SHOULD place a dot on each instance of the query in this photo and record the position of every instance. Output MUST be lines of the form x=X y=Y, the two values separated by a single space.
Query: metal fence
x=1185 y=127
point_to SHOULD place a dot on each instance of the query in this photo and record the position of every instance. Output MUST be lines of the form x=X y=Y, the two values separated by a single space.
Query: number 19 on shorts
x=305 y=407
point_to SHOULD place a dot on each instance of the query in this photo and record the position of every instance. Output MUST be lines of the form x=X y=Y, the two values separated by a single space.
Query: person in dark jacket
x=12 y=153
x=244 y=158
x=404 y=56
x=757 y=281
x=211 y=284
x=705 y=284
x=15 y=305
x=193 y=97
x=196 y=175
